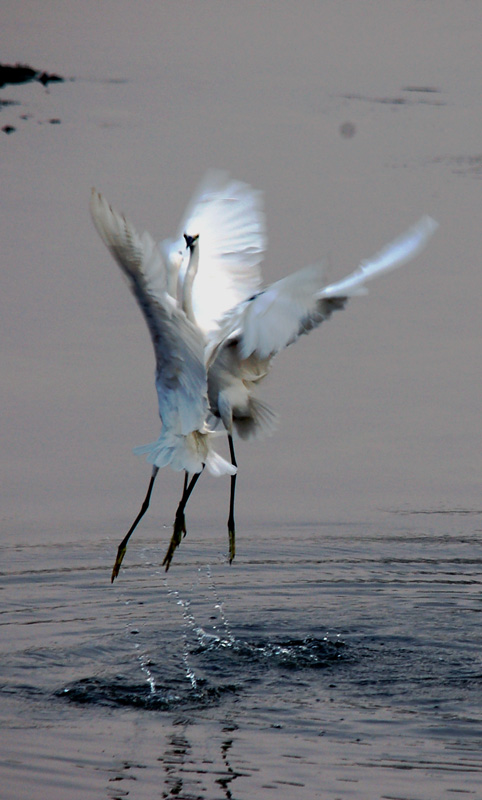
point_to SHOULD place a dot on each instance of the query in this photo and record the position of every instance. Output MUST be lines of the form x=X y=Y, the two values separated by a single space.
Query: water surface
x=339 y=656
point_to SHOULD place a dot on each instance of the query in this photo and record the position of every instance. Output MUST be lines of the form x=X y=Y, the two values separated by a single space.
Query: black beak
x=190 y=240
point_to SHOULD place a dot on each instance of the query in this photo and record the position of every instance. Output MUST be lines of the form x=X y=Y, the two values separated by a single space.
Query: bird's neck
x=191 y=272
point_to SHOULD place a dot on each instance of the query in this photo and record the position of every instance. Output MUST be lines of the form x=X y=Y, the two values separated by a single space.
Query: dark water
x=339 y=659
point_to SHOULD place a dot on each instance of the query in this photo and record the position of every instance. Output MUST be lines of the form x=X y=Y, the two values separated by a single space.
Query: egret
x=229 y=216
x=208 y=282
x=244 y=340
x=185 y=442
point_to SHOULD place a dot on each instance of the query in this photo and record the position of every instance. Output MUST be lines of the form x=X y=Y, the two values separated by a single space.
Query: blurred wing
x=178 y=345
x=398 y=252
x=137 y=256
x=228 y=216
x=276 y=317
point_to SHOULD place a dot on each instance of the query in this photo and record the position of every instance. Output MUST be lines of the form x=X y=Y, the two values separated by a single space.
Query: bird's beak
x=190 y=240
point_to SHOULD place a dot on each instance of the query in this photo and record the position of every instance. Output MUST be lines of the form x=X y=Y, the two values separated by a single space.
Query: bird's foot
x=178 y=532
x=121 y=551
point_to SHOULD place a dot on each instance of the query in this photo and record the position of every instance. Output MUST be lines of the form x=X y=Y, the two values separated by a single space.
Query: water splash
x=146 y=663
x=189 y=618
x=189 y=624
x=231 y=640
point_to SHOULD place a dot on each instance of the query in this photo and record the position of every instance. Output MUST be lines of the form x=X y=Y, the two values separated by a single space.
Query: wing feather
x=181 y=379
x=393 y=255
x=229 y=219
x=274 y=318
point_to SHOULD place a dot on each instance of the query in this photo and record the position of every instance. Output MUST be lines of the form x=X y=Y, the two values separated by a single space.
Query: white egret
x=185 y=442
x=228 y=214
x=214 y=291
x=244 y=341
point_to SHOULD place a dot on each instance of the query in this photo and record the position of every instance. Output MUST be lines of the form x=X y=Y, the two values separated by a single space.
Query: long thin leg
x=231 y=525
x=121 y=550
x=179 y=521
x=182 y=520
x=184 y=490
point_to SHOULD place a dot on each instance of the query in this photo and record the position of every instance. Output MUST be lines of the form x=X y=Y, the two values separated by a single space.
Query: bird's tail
x=260 y=420
x=191 y=453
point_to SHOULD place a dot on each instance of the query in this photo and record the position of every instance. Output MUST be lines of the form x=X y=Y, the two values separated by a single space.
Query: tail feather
x=260 y=421
x=190 y=453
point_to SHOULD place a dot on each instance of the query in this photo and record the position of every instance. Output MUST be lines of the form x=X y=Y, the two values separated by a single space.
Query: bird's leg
x=231 y=525
x=121 y=550
x=186 y=481
x=179 y=521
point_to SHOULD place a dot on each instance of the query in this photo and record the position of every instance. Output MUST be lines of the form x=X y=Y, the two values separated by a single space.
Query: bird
x=211 y=274
x=227 y=216
x=186 y=442
x=242 y=342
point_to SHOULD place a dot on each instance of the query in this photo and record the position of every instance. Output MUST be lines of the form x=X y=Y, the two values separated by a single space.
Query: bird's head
x=191 y=240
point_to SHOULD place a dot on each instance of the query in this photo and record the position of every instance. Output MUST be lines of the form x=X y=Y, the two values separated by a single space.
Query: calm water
x=340 y=655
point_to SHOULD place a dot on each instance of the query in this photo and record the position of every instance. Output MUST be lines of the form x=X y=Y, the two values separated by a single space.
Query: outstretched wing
x=229 y=219
x=273 y=318
x=178 y=345
x=277 y=316
x=393 y=255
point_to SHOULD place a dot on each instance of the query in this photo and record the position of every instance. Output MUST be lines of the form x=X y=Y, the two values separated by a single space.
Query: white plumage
x=185 y=442
x=239 y=353
x=245 y=340
x=228 y=218
x=275 y=317
x=214 y=328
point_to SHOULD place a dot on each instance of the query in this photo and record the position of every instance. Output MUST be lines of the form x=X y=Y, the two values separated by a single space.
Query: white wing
x=393 y=255
x=228 y=217
x=178 y=345
x=277 y=316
